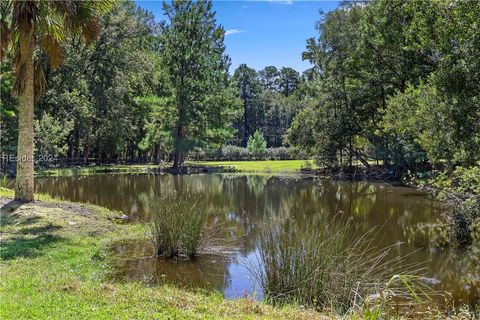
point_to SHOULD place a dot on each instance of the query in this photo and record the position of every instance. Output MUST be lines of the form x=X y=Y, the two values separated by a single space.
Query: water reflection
x=241 y=202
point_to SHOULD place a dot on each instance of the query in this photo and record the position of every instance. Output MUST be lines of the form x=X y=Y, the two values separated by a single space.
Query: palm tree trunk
x=25 y=161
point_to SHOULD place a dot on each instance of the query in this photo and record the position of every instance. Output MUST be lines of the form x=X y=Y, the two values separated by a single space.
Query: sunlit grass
x=274 y=166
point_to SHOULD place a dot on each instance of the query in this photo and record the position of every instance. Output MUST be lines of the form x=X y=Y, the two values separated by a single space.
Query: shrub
x=236 y=153
x=257 y=145
x=280 y=153
x=464 y=221
x=178 y=222
x=230 y=152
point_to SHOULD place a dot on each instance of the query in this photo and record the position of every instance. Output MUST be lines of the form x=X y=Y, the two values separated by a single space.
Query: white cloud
x=232 y=31
x=282 y=1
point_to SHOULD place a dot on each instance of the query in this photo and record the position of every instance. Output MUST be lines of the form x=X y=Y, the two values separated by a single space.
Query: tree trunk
x=24 y=180
x=157 y=154
x=245 y=125
x=178 y=155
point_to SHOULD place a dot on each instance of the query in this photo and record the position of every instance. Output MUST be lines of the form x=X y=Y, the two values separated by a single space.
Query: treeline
x=392 y=82
x=270 y=99
x=396 y=82
x=147 y=91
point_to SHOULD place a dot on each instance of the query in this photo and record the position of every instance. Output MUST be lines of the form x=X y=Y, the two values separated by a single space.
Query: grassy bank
x=54 y=264
x=267 y=166
x=273 y=166
x=87 y=170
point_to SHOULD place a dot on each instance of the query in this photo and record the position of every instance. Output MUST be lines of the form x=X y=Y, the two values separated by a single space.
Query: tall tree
x=27 y=26
x=269 y=78
x=249 y=89
x=288 y=81
x=193 y=52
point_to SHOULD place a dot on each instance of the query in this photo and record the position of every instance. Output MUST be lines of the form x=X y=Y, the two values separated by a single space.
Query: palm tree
x=31 y=29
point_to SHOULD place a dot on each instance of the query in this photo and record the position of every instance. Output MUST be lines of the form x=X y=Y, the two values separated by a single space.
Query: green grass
x=274 y=166
x=54 y=262
x=87 y=170
x=266 y=166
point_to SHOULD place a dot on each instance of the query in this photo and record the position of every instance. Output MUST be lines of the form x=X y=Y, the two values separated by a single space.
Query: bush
x=177 y=223
x=236 y=153
x=464 y=222
x=280 y=153
x=257 y=145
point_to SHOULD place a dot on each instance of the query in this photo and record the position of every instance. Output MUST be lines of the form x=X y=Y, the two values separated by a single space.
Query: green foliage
x=235 y=153
x=409 y=115
x=393 y=81
x=230 y=152
x=462 y=180
x=159 y=123
x=257 y=144
x=464 y=223
x=270 y=101
x=51 y=136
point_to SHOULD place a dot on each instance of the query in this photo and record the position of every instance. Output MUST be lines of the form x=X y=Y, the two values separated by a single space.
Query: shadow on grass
x=28 y=237
x=7 y=213
x=26 y=247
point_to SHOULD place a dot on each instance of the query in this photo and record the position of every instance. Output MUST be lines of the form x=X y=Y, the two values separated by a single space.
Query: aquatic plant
x=177 y=223
x=324 y=265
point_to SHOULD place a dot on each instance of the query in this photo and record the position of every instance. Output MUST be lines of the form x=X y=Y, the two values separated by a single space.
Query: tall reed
x=321 y=264
x=178 y=223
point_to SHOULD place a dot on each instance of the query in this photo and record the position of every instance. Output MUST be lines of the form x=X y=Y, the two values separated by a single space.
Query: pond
x=240 y=202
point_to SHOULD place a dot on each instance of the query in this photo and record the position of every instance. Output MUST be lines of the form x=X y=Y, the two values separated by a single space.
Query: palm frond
x=53 y=49
x=84 y=19
x=40 y=83
x=4 y=38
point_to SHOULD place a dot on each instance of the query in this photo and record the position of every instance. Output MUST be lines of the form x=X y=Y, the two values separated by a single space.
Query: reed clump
x=323 y=264
x=178 y=223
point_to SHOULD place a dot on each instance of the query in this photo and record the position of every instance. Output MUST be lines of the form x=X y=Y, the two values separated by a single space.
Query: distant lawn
x=260 y=166
x=268 y=166
x=87 y=170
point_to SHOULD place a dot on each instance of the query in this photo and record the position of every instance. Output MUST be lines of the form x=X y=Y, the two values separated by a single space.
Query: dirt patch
x=69 y=217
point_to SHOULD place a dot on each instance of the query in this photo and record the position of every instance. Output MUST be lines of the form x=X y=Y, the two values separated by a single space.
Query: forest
x=390 y=81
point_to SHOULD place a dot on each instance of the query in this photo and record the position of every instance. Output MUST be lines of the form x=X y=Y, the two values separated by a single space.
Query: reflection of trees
x=134 y=261
x=238 y=202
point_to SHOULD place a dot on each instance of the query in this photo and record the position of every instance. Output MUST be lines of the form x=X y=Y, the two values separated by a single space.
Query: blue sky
x=263 y=33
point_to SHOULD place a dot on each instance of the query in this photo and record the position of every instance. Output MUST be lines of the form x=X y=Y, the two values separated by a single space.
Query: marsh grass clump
x=322 y=265
x=178 y=223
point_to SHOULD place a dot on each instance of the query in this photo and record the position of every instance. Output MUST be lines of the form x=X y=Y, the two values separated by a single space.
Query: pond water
x=240 y=202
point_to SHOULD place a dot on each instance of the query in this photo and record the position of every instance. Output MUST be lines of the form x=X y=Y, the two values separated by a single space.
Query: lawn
x=87 y=170
x=54 y=265
x=266 y=166
x=275 y=166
